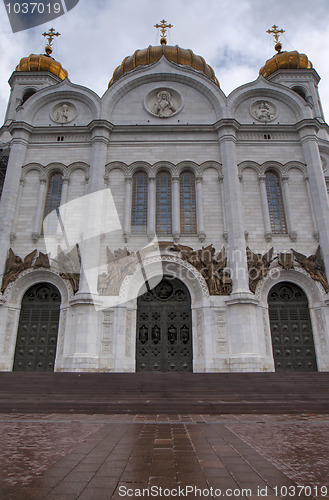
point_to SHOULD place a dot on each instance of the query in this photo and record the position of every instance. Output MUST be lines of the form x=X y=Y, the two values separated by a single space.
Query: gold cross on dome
x=50 y=35
x=164 y=27
x=276 y=33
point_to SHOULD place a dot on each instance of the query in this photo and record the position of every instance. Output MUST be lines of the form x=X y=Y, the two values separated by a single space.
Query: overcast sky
x=229 y=34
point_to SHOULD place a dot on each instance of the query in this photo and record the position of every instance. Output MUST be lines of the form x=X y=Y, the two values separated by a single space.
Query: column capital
x=261 y=178
x=128 y=179
x=42 y=180
x=100 y=127
x=175 y=178
x=285 y=178
x=66 y=179
x=199 y=178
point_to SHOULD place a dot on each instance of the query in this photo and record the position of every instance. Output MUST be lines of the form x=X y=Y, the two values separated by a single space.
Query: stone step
x=173 y=393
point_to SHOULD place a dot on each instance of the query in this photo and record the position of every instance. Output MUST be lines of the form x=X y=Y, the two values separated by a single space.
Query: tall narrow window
x=187 y=203
x=139 y=204
x=275 y=203
x=53 y=201
x=163 y=203
x=3 y=168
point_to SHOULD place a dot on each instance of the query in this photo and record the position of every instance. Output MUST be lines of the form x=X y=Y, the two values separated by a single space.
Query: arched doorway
x=37 y=329
x=164 y=328
x=291 y=329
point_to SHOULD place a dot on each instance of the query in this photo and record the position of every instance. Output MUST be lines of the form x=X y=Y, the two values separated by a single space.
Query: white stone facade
x=229 y=143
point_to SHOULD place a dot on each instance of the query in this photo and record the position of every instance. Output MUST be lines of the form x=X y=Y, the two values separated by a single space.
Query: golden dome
x=42 y=62
x=172 y=53
x=285 y=60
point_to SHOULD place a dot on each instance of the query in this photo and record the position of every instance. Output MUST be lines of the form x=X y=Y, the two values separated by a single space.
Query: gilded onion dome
x=174 y=54
x=283 y=60
x=44 y=62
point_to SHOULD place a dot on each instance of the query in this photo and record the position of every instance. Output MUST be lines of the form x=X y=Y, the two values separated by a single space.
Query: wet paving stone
x=57 y=458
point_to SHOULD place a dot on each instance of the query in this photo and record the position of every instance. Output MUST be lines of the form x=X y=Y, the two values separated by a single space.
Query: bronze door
x=164 y=329
x=291 y=329
x=37 y=330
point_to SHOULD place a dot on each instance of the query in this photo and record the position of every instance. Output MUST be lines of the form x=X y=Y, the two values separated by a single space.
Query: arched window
x=163 y=203
x=275 y=203
x=53 y=201
x=187 y=203
x=139 y=203
x=27 y=94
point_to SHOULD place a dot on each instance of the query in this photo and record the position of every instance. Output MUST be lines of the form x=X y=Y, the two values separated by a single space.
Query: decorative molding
x=61 y=333
x=321 y=330
x=199 y=333
x=129 y=318
x=221 y=332
x=9 y=331
x=107 y=332
x=164 y=258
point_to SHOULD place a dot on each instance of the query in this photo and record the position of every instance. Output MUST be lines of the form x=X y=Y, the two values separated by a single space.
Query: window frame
x=163 y=199
x=187 y=202
x=275 y=202
x=137 y=207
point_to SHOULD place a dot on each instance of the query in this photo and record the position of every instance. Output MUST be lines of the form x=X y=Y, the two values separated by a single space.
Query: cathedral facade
x=164 y=226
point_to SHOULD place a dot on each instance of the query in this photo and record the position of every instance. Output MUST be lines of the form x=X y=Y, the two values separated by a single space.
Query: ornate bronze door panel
x=291 y=329
x=37 y=330
x=164 y=329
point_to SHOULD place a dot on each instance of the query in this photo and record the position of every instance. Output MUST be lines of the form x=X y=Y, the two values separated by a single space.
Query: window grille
x=187 y=203
x=275 y=203
x=163 y=204
x=139 y=203
x=53 y=201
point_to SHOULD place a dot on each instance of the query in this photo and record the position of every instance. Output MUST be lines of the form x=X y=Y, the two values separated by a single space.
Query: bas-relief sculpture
x=15 y=265
x=314 y=266
x=122 y=263
x=211 y=267
x=258 y=266
x=263 y=111
x=63 y=113
x=164 y=107
x=69 y=266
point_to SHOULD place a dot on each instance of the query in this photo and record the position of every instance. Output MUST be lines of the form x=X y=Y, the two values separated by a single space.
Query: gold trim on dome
x=285 y=60
x=172 y=53
x=42 y=62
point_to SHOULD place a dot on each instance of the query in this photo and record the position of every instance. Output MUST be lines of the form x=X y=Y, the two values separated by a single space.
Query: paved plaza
x=104 y=457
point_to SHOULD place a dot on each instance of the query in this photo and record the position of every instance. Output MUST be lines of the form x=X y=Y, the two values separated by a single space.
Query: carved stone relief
x=211 y=266
x=258 y=266
x=221 y=333
x=129 y=320
x=263 y=111
x=199 y=331
x=69 y=266
x=61 y=330
x=107 y=339
x=11 y=315
x=64 y=112
x=163 y=102
x=314 y=266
